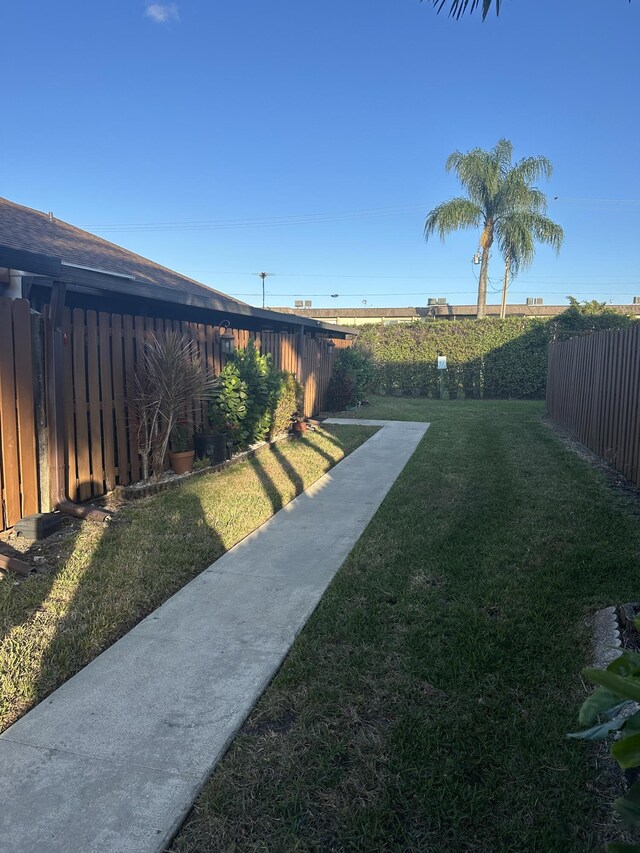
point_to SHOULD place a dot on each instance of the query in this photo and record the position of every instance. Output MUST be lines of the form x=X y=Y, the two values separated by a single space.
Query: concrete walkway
x=113 y=760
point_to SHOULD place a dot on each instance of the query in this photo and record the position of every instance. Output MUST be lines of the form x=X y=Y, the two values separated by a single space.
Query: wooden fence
x=593 y=391
x=18 y=461
x=100 y=354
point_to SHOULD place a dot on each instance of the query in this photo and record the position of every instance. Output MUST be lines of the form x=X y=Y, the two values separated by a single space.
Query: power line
x=371 y=294
x=550 y=279
x=620 y=201
x=327 y=216
x=291 y=219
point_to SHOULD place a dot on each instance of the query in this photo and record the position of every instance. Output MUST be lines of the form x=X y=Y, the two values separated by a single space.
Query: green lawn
x=104 y=580
x=425 y=705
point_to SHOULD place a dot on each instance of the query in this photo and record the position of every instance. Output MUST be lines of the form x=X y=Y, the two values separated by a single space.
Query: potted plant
x=181 y=458
x=216 y=441
x=205 y=439
x=298 y=424
x=169 y=379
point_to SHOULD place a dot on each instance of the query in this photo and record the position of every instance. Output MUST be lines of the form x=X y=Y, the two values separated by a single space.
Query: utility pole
x=505 y=285
x=263 y=275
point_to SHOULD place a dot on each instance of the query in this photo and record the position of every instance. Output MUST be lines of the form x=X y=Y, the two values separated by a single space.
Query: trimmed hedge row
x=485 y=358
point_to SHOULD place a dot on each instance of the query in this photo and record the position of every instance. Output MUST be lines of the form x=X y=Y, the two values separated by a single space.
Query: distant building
x=391 y=316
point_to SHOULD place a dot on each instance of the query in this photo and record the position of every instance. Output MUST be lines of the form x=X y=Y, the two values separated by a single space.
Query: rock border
x=607 y=642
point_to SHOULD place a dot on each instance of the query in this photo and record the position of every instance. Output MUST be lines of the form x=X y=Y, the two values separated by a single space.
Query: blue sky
x=314 y=137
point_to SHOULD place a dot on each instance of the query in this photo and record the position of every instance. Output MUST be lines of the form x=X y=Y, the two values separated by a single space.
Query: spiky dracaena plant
x=169 y=380
x=500 y=194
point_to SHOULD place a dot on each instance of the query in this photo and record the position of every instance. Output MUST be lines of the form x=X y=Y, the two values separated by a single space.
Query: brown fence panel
x=100 y=357
x=593 y=392
x=18 y=459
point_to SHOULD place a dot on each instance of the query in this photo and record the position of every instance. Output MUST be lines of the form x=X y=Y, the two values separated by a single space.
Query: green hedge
x=485 y=358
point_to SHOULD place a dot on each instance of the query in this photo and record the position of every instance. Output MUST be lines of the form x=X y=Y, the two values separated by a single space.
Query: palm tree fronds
x=518 y=234
x=459 y=7
x=452 y=215
x=531 y=168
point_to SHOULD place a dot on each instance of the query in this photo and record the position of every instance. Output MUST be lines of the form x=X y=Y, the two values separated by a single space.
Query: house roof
x=34 y=231
x=50 y=249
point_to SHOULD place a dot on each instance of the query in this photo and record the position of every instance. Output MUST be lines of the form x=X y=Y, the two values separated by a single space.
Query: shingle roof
x=33 y=231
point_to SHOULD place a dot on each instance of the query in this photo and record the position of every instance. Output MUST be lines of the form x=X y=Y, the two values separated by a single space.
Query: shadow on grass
x=270 y=488
x=108 y=578
x=319 y=450
x=294 y=477
x=113 y=577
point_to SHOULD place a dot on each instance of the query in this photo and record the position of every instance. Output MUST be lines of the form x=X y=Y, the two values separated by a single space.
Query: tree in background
x=518 y=235
x=502 y=201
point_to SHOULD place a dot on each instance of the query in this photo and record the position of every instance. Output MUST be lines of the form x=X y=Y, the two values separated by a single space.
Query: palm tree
x=497 y=190
x=518 y=234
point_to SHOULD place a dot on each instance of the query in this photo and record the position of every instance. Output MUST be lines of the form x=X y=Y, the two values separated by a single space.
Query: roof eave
x=78 y=278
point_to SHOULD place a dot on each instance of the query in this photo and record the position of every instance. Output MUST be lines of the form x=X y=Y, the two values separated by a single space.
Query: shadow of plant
x=109 y=578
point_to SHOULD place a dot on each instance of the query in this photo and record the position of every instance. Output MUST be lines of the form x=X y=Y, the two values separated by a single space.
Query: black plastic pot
x=213 y=445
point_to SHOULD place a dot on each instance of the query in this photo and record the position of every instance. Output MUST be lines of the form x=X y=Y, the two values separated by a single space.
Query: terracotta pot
x=300 y=426
x=182 y=463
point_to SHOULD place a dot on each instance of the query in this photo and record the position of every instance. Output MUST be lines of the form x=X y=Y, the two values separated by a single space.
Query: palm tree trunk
x=505 y=286
x=482 y=285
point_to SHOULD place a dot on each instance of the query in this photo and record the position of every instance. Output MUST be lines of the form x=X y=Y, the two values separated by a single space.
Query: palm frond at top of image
x=457 y=8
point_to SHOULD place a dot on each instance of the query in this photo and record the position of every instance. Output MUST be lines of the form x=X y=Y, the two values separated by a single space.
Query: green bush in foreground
x=603 y=711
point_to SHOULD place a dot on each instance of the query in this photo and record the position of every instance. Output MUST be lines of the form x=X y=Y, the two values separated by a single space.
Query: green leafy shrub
x=253 y=400
x=353 y=372
x=286 y=398
x=485 y=358
x=256 y=371
x=604 y=712
x=228 y=408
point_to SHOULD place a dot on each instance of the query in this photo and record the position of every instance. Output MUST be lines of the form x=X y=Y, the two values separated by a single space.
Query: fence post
x=300 y=368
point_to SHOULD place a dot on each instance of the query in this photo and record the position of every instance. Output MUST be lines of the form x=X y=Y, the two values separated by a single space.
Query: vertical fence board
x=68 y=404
x=81 y=407
x=19 y=494
x=129 y=384
x=104 y=333
x=93 y=372
x=593 y=392
x=8 y=424
x=119 y=409
x=25 y=408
